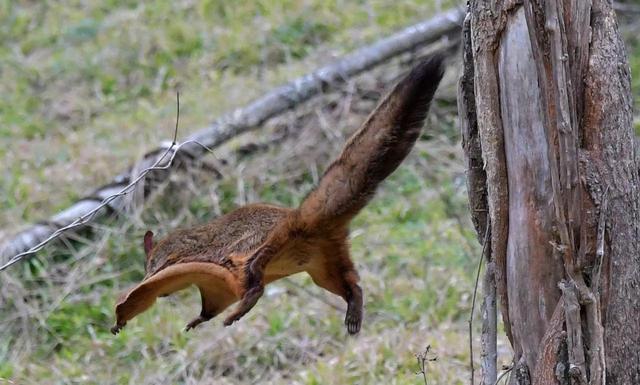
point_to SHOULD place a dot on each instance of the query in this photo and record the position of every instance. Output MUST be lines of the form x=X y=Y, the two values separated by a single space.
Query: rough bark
x=608 y=149
x=531 y=261
x=237 y=122
x=486 y=23
x=553 y=110
x=477 y=191
x=476 y=175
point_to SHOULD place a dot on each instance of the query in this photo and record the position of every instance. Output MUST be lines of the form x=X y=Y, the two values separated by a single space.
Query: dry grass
x=412 y=253
x=85 y=87
x=295 y=335
x=413 y=245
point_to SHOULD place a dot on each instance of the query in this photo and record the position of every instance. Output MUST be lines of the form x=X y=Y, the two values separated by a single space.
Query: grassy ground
x=86 y=87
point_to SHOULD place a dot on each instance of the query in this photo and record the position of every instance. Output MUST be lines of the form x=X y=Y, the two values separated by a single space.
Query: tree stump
x=545 y=103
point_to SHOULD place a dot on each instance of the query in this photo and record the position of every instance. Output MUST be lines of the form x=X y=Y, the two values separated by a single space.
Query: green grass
x=86 y=87
x=85 y=84
x=412 y=257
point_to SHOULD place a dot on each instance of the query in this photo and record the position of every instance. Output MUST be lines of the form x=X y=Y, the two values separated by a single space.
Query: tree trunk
x=545 y=103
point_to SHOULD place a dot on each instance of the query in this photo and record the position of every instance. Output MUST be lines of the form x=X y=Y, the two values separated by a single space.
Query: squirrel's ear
x=148 y=242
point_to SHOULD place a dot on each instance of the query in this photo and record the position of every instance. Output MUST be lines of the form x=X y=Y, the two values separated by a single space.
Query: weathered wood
x=609 y=149
x=575 y=342
x=240 y=121
x=487 y=23
x=563 y=109
x=529 y=249
x=553 y=351
x=477 y=191
x=476 y=175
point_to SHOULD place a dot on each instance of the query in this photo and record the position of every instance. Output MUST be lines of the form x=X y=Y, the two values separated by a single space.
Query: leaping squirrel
x=232 y=258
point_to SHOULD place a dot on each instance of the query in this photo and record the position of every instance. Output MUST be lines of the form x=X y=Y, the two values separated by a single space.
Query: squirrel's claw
x=353 y=319
x=195 y=322
x=117 y=327
x=353 y=326
x=203 y=317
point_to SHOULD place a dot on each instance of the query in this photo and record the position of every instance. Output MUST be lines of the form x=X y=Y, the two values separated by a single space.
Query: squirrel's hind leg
x=338 y=275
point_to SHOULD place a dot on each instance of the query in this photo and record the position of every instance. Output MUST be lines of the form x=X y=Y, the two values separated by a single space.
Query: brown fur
x=232 y=258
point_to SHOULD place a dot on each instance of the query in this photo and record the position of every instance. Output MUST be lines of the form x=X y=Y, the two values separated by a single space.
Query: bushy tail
x=375 y=150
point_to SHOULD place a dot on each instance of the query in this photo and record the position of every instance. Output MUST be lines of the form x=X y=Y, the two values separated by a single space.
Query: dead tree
x=545 y=104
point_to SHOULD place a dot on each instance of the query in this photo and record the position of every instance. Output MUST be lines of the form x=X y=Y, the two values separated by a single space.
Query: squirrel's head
x=150 y=260
x=148 y=252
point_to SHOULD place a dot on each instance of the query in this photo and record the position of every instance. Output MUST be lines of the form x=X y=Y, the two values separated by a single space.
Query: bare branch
x=423 y=358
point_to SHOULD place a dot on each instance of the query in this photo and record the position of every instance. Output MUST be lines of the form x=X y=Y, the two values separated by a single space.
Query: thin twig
x=423 y=358
x=173 y=149
x=175 y=131
x=473 y=301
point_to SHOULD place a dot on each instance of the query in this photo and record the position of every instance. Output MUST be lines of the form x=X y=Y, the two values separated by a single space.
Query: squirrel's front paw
x=249 y=300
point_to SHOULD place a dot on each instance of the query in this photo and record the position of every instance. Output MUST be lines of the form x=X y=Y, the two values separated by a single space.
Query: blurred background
x=88 y=87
